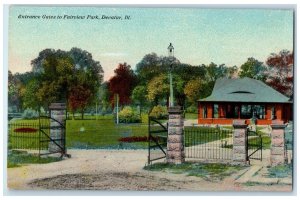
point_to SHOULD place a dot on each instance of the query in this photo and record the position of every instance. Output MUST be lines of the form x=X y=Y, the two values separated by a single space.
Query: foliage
x=159 y=112
x=103 y=97
x=122 y=83
x=79 y=97
x=158 y=88
x=193 y=90
x=192 y=109
x=59 y=73
x=129 y=115
x=253 y=68
x=29 y=99
x=281 y=72
x=30 y=114
x=139 y=95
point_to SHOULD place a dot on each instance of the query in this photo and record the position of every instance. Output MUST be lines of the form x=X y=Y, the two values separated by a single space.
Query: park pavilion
x=244 y=98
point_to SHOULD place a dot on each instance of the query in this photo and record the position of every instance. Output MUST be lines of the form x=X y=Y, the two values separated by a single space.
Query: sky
x=199 y=36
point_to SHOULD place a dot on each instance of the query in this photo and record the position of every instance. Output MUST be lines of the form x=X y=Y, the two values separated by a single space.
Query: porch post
x=175 y=146
x=278 y=153
x=239 y=142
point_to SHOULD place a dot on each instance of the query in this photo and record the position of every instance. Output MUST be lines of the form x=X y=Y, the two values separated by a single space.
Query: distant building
x=244 y=98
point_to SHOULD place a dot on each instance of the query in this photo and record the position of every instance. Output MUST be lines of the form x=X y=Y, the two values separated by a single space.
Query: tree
x=280 y=75
x=79 y=98
x=60 y=73
x=122 y=83
x=104 y=97
x=139 y=95
x=29 y=99
x=158 y=89
x=193 y=90
x=253 y=68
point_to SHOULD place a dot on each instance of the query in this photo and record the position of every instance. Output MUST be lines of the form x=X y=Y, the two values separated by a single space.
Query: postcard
x=143 y=98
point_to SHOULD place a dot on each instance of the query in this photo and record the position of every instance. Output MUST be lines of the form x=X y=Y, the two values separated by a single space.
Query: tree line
x=76 y=78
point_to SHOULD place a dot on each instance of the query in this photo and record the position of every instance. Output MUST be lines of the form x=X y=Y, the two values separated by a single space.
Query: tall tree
x=60 y=73
x=193 y=90
x=253 y=68
x=79 y=98
x=280 y=75
x=122 y=83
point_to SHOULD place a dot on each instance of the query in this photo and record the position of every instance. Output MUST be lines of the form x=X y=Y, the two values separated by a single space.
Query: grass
x=19 y=158
x=201 y=135
x=191 y=116
x=280 y=171
x=209 y=171
x=103 y=134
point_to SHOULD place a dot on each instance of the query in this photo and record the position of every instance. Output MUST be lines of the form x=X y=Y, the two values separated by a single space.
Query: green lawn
x=18 y=158
x=191 y=116
x=208 y=171
x=201 y=135
x=103 y=134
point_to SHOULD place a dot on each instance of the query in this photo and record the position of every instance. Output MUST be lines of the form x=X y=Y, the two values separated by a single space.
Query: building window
x=246 y=111
x=253 y=111
x=216 y=111
x=273 y=113
x=204 y=112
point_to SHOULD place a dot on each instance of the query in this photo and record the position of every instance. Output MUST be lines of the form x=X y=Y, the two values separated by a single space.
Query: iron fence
x=24 y=136
x=208 y=143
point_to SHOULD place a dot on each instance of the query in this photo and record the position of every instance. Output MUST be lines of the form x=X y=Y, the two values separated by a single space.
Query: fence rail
x=25 y=136
x=208 y=143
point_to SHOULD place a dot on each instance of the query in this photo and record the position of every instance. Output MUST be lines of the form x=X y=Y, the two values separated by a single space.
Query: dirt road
x=118 y=171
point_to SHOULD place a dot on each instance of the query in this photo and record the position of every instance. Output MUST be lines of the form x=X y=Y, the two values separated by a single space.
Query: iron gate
x=52 y=137
x=253 y=145
x=157 y=140
x=206 y=143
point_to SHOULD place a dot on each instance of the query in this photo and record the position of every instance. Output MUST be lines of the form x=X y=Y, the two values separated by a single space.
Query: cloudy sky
x=200 y=36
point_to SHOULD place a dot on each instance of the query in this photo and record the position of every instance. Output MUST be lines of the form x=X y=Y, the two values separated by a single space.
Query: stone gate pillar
x=239 y=142
x=278 y=153
x=57 y=112
x=175 y=146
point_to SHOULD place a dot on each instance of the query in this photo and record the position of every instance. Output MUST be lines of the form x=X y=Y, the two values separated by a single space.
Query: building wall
x=282 y=112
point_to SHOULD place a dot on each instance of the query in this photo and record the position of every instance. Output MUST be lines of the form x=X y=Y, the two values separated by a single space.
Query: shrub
x=30 y=114
x=159 y=112
x=129 y=115
x=192 y=109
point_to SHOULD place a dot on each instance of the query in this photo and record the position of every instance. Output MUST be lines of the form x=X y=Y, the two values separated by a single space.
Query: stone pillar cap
x=57 y=106
x=239 y=123
x=175 y=109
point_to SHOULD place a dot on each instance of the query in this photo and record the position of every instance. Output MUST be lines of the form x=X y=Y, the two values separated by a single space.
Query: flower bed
x=134 y=139
x=25 y=130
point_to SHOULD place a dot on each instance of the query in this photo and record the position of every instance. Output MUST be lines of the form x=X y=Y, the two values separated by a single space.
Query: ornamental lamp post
x=171 y=57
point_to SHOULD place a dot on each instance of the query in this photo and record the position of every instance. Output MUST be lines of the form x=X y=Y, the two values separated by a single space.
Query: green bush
x=129 y=115
x=159 y=112
x=30 y=114
x=192 y=109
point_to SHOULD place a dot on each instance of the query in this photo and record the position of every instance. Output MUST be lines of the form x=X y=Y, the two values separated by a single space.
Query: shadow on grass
x=17 y=158
x=209 y=171
x=280 y=171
